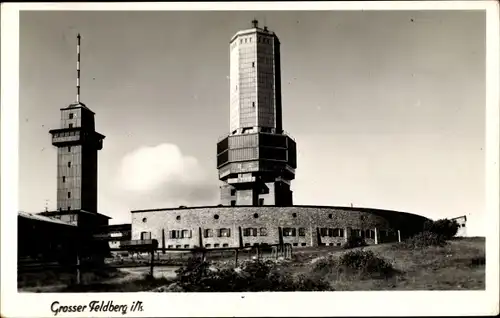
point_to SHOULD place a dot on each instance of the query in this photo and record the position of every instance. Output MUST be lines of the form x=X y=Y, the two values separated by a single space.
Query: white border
x=423 y=303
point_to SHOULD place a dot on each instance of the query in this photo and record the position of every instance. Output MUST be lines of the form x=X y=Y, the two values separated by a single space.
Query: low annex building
x=301 y=226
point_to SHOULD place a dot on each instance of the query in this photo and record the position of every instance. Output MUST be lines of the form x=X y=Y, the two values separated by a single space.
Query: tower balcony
x=260 y=154
x=76 y=136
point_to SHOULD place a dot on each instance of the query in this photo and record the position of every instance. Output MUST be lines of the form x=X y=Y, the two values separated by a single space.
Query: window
x=255 y=215
x=208 y=233
x=263 y=231
x=289 y=231
x=216 y=245
x=324 y=231
x=303 y=244
x=302 y=231
x=69 y=195
x=63 y=179
x=69 y=148
x=186 y=234
x=145 y=235
x=70 y=115
x=233 y=203
x=225 y=245
x=69 y=208
x=249 y=231
x=186 y=246
x=178 y=218
x=216 y=216
x=170 y=246
x=253 y=64
x=208 y=245
x=69 y=164
x=70 y=125
x=294 y=215
x=330 y=216
x=295 y=244
x=247 y=244
x=178 y=246
x=224 y=232
x=261 y=201
x=233 y=192
x=253 y=104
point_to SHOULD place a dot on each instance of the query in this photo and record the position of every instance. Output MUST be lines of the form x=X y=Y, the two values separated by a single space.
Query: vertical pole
x=399 y=236
x=78 y=69
x=376 y=236
x=162 y=241
x=258 y=254
x=78 y=274
x=152 y=260
x=200 y=237
x=236 y=258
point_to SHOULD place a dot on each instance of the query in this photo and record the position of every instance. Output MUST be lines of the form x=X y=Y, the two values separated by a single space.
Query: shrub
x=422 y=240
x=444 y=227
x=359 y=264
x=200 y=276
x=354 y=241
x=366 y=263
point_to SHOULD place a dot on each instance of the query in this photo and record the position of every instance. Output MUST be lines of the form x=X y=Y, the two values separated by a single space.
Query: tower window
x=64 y=179
x=233 y=192
x=253 y=64
x=233 y=203
x=70 y=115
x=253 y=104
x=69 y=148
x=69 y=164
x=70 y=125
x=69 y=195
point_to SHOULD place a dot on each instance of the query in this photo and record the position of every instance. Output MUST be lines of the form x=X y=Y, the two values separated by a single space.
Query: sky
x=387 y=107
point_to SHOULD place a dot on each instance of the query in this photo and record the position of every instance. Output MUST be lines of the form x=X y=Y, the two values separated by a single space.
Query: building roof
x=41 y=218
x=64 y=212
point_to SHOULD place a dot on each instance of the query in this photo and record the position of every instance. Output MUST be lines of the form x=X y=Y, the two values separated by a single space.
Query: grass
x=55 y=277
x=459 y=265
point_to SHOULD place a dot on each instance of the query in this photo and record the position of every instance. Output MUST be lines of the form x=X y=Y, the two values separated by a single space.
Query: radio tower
x=77 y=145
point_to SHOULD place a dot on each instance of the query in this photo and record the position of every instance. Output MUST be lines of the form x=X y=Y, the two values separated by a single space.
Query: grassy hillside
x=459 y=265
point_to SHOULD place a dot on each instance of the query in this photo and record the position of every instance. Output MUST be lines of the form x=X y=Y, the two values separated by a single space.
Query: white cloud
x=163 y=175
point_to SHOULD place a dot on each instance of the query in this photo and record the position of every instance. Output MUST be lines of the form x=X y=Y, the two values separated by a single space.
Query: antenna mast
x=78 y=68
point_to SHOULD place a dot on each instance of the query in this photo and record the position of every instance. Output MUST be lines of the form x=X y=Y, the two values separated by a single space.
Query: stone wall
x=269 y=221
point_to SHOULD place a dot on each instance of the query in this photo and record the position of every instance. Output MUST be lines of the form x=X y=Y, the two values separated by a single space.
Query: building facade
x=256 y=160
x=462 y=225
x=301 y=226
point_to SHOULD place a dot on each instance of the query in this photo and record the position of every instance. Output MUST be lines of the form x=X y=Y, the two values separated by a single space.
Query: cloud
x=163 y=175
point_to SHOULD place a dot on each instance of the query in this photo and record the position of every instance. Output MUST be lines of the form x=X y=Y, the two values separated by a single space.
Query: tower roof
x=78 y=105
x=255 y=28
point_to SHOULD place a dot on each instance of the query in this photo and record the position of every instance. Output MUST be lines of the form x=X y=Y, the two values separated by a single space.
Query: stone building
x=256 y=163
x=301 y=226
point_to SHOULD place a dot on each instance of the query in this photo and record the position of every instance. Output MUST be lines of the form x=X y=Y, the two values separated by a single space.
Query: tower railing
x=283 y=132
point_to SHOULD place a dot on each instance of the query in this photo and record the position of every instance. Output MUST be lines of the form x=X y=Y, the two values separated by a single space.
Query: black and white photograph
x=249 y=151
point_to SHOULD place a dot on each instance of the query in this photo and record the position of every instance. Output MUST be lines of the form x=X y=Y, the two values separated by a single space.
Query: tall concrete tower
x=77 y=145
x=257 y=160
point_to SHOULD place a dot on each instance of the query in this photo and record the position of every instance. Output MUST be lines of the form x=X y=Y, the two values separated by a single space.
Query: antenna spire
x=78 y=37
x=255 y=23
